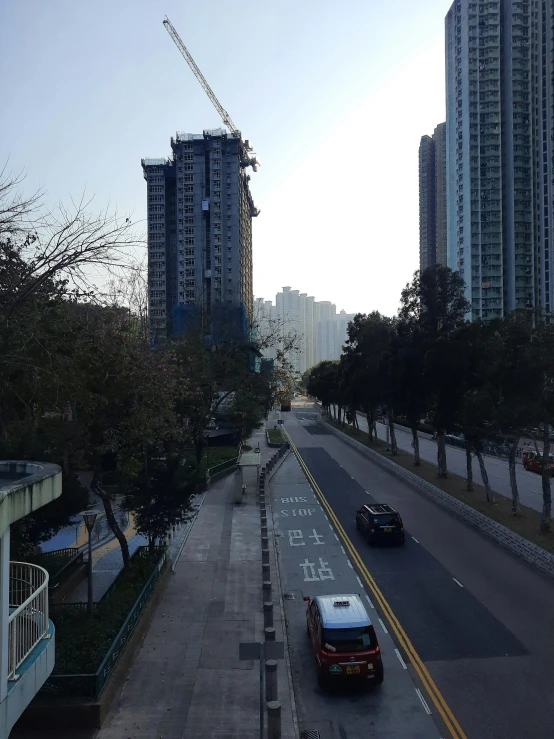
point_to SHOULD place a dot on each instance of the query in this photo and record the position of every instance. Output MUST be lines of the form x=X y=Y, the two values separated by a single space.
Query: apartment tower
x=499 y=143
x=432 y=198
x=200 y=214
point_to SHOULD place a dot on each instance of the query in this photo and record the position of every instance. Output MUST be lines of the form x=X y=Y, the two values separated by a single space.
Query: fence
x=489 y=447
x=222 y=466
x=28 y=621
x=90 y=686
x=60 y=564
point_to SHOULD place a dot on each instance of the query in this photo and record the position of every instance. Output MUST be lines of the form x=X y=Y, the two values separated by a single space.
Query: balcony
x=26 y=634
x=28 y=624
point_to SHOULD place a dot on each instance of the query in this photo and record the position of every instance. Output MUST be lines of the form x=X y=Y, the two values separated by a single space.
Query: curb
x=181 y=543
x=526 y=550
x=281 y=607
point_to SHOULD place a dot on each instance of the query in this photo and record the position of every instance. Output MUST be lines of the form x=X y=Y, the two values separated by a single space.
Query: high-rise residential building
x=427 y=203
x=200 y=212
x=320 y=332
x=432 y=198
x=439 y=137
x=500 y=131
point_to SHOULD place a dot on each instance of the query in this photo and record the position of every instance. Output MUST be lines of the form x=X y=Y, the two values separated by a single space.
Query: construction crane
x=247 y=160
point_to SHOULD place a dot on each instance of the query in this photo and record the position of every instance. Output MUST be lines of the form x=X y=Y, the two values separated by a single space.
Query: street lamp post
x=89 y=518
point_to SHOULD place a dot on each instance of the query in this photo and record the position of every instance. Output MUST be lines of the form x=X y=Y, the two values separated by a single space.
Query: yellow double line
x=428 y=682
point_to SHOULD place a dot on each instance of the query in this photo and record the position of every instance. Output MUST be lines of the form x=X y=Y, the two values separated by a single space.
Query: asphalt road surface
x=479 y=619
x=313 y=562
x=529 y=483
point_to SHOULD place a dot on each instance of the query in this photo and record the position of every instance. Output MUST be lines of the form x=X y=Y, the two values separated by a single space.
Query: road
x=529 y=483
x=313 y=562
x=478 y=618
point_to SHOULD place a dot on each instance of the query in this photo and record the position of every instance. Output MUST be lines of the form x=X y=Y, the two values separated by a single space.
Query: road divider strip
x=432 y=690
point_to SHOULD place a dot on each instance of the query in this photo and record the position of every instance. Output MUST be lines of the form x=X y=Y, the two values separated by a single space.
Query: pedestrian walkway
x=187 y=679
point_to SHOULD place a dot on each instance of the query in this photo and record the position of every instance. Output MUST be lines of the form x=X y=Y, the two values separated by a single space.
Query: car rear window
x=357 y=639
x=386 y=519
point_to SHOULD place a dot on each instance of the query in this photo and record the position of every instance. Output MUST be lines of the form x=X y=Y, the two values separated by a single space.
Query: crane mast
x=226 y=118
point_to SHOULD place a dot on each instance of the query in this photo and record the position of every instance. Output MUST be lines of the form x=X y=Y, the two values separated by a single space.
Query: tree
x=18 y=212
x=434 y=301
x=512 y=372
x=540 y=357
x=160 y=497
x=323 y=383
x=365 y=363
x=407 y=373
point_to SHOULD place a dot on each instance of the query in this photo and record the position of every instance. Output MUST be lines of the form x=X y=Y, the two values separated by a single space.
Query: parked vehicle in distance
x=286 y=406
x=532 y=461
x=343 y=639
x=380 y=522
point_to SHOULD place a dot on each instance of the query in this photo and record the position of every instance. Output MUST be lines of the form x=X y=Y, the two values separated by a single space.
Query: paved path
x=187 y=680
x=106 y=568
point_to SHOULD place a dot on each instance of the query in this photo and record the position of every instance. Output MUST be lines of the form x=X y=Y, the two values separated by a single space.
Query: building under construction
x=200 y=212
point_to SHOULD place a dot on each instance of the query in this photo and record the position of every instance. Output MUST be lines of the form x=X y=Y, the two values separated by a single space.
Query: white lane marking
x=342 y=549
x=416 y=541
x=351 y=477
x=336 y=537
x=369 y=601
x=457 y=582
x=359 y=581
x=400 y=659
x=349 y=563
x=383 y=626
x=423 y=703
x=330 y=527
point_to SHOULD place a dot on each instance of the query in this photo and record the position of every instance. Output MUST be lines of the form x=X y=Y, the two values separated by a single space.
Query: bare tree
x=17 y=211
x=129 y=289
x=70 y=244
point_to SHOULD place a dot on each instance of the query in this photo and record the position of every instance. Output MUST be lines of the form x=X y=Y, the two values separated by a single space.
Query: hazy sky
x=334 y=96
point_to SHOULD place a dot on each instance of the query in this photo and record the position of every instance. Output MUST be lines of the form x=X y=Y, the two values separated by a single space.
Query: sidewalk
x=187 y=680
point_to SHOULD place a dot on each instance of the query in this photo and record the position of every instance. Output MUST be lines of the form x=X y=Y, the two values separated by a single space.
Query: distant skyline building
x=320 y=330
x=432 y=198
x=200 y=212
x=500 y=138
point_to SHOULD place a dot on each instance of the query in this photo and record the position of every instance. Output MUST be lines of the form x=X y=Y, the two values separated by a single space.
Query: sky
x=335 y=97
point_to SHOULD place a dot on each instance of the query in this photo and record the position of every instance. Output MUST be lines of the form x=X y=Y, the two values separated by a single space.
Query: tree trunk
x=417 y=458
x=114 y=526
x=489 y=491
x=469 y=469
x=198 y=449
x=369 y=418
x=393 y=445
x=513 y=480
x=442 y=470
x=546 y=474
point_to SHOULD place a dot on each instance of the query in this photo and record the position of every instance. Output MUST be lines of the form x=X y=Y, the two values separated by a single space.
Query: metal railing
x=222 y=466
x=28 y=620
x=91 y=685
